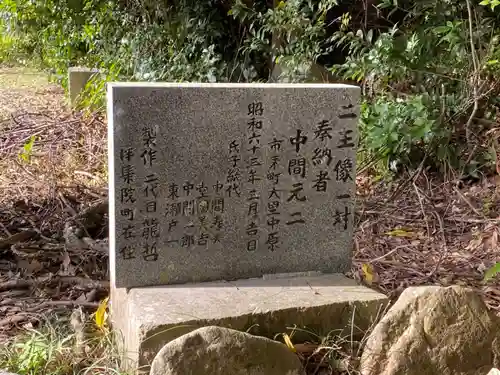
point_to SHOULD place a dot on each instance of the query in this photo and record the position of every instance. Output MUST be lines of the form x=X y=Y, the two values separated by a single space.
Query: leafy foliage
x=395 y=127
x=421 y=84
x=56 y=348
x=292 y=35
x=491 y=3
x=25 y=155
x=491 y=272
x=427 y=68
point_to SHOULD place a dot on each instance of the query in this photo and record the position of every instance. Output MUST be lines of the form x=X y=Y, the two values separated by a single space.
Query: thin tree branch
x=475 y=77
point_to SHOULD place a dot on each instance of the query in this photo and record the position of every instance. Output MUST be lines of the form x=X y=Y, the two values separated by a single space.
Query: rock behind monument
x=221 y=351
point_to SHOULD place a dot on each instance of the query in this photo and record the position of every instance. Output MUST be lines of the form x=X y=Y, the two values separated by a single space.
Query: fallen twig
x=46 y=304
x=67 y=280
x=473 y=221
x=389 y=253
x=83 y=282
x=15 y=284
x=445 y=245
x=5 y=229
x=14 y=319
x=464 y=198
x=420 y=200
x=23 y=236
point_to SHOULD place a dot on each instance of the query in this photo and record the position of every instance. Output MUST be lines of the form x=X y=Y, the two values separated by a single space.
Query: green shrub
x=425 y=86
x=426 y=77
x=394 y=130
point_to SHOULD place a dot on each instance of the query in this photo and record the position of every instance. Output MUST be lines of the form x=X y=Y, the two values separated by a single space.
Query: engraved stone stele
x=228 y=181
x=231 y=205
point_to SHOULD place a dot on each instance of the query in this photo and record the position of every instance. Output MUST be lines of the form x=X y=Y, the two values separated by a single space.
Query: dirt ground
x=52 y=183
x=418 y=230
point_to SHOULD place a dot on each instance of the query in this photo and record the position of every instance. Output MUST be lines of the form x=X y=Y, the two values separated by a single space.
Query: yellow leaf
x=288 y=342
x=400 y=233
x=368 y=272
x=100 y=314
x=281 y=4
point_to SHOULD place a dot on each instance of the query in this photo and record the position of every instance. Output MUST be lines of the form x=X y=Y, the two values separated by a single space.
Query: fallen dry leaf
x=368 y=272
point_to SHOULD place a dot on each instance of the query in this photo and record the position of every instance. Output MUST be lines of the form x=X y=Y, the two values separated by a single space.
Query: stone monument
x=231 y=204
x=77 y=80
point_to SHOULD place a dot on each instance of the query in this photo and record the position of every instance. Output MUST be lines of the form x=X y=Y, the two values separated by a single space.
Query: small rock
x=434 y=331
x=222 y=351
x=4 y=372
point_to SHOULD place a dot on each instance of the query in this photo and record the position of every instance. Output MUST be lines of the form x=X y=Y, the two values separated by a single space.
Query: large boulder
x=434 y=331
x=221 y=351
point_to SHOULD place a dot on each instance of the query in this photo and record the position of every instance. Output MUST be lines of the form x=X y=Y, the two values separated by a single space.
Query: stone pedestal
x=77 y=79
x=147 y=318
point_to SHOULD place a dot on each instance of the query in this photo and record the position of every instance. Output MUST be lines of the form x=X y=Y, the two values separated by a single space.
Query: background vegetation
x=429 y=73
x=428 y=68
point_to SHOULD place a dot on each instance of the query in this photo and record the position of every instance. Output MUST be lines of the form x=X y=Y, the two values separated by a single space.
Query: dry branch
x=15 y=319
x=23 y=236
x=15 y=284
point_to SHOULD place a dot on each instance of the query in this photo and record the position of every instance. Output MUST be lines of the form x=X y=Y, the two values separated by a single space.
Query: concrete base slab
x=147 y=318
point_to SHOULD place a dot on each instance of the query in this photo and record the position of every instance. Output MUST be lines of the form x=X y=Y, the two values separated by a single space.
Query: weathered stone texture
x=225 y=182
x=221 y=351
x=434 y=331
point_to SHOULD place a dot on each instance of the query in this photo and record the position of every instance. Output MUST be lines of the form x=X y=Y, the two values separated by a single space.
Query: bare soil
x=48 y=192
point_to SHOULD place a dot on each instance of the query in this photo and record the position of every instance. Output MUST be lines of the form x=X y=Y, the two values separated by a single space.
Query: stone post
x=77 y=79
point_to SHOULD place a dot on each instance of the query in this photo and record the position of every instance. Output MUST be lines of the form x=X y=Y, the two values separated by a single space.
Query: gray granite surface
x=221 y=182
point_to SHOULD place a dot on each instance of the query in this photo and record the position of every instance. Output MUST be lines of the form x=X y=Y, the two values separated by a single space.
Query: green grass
x=56 y=348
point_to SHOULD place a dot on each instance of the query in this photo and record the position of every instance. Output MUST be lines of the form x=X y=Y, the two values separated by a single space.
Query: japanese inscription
x=274 y=202
x=214 y=182
x=127 y=199
x=255 y=112
x=150 y=223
